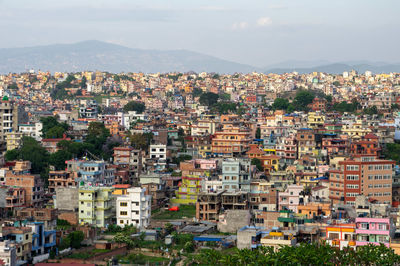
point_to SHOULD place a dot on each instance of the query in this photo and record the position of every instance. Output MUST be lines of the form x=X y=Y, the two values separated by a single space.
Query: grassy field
x=87 y=255
x=187 y=211
x=141 y=259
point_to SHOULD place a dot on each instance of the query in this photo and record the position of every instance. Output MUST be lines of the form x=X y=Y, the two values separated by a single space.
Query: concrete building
x=8 y=254
x=374 y=231
x=236 y=175
x=32 y=130
x=95 y=206
x=8 y=117
x=19 y=176
x=134 y=208
x=67 y=199
x=249 y=237
x=290 y=198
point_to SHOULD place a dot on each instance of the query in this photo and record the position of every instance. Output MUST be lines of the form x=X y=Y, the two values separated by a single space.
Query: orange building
x=232 y=140
x=20 y=177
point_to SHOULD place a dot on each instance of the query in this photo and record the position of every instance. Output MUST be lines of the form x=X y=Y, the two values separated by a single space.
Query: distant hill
x=338 y=68
x=96 y=55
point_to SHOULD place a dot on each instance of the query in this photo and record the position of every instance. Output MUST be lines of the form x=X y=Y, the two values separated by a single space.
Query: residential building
x=95 y=206
x=134 y=208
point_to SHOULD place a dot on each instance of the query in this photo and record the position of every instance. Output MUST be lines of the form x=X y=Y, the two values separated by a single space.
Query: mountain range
x=103 y=56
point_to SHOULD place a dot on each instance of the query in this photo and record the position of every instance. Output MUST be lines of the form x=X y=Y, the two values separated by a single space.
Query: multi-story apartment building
x=8 y=254
x=231 y=141
x=203 y=127
x=90 y=110
x=95 y=206
x=290 y=198
x=91 y=172
x=306 y=143
x=19 y=175
x=32 y=130
x=341 y=235
x=189 y=190
x=236 y=175
x=8 y=117
x=59 y=179
x=374 y=231
x=134 y=208
x=367 y=176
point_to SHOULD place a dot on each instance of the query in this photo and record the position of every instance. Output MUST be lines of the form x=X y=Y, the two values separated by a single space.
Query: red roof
x=370 y=136
x=122 y=186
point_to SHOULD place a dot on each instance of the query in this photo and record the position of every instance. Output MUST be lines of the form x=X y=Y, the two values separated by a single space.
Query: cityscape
x=221 y=133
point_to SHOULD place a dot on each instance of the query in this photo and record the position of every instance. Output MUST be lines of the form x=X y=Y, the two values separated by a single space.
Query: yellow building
x=315 y=120
x=277 y=240
x=95 y=206
x=13 y=140
x=121 y=189
x=189 y=190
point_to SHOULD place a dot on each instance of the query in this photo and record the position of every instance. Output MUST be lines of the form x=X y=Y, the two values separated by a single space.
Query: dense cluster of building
x=272 y=177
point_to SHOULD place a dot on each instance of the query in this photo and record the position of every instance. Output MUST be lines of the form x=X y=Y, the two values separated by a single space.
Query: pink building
x=374 y=231
x=290 y=199
x=206 y=164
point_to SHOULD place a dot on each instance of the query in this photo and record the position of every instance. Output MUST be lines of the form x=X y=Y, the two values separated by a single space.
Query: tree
x=197 y=92
x=32 y=151
x=83 y=83
x=58 y=159
x=55 y=132
x=98 y=129
x=139 y=107
x=50 y=122
x=371 y=110
x=208 y=99
x=257 y=162
x=303 y=99
x=141 y=141
x=280 y=104
x=258 y=133
x=76 y=239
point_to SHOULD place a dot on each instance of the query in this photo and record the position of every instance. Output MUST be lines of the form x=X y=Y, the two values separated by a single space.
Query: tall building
x=134 y=208
x=366 y=176
x=8 y=117
x=95 y=206
x=231 y=141
x=236 y=175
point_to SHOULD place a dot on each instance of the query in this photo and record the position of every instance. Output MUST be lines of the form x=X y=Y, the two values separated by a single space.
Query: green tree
x=50 y=122
x=280 y=104
x=371 y=110
x=197 y=92
x=258 y=133
x=83 y=83
x=257 y=162
x=208 y=99
x=302 y=99
x=139 y=107
x=76 y=239
x=58 y=159
x=55 y=132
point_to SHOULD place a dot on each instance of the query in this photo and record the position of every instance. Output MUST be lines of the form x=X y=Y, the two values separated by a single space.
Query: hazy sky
x=256 y=32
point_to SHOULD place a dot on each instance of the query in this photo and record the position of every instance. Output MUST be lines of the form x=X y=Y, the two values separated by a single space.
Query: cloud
x=240 y=25
x=264 y=21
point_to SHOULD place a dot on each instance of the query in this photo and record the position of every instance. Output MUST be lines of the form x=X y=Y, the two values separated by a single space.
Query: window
x=123 y=213
x=352 y=186
x=123 y=204
x=352 y=177
x=352 y=167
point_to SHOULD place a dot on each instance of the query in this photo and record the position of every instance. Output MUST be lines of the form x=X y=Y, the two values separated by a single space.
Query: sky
x=255 y=32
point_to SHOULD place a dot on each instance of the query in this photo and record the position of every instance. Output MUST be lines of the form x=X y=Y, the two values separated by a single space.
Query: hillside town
x=133 y=168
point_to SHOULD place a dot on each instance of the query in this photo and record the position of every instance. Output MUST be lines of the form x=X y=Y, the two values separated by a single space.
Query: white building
x=8 y=255
x=158 y=151
x=134 y=208
x=32 y=130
